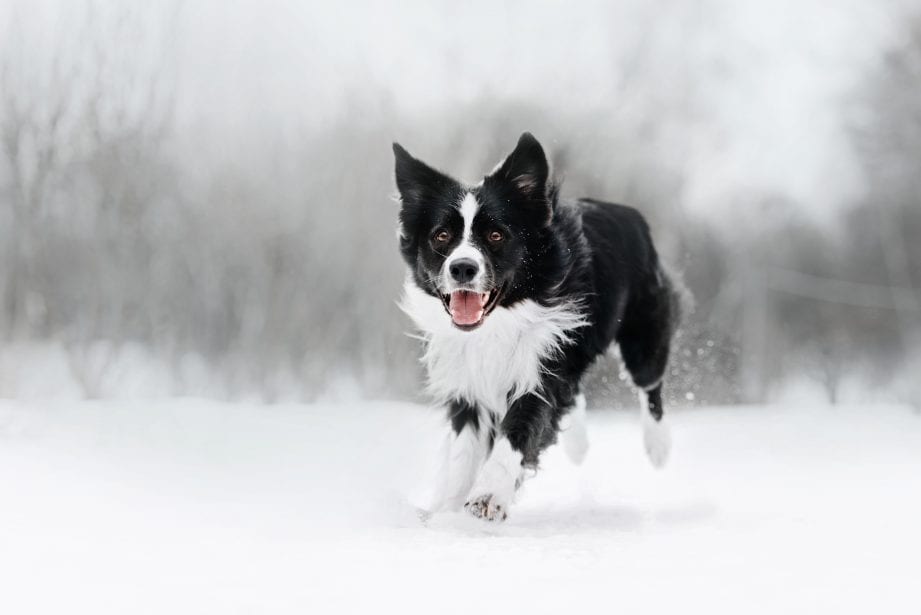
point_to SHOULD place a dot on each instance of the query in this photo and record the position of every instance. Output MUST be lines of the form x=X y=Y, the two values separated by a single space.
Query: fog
x=197 y=198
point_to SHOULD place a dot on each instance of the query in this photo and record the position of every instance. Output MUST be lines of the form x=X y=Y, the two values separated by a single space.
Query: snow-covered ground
x=200 y=507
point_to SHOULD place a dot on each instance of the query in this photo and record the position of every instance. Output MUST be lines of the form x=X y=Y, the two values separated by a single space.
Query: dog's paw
x=657 y=441
x=486 y=507
x=575 y=442
x=573 y=433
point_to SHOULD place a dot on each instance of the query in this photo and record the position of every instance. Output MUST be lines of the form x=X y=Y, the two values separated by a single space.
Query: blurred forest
x=146 y=252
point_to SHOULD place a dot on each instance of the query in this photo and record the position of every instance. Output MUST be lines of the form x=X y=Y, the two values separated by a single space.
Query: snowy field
x=200 y=507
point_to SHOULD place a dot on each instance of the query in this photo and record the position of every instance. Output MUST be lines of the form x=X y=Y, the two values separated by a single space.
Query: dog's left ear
x=525 y=169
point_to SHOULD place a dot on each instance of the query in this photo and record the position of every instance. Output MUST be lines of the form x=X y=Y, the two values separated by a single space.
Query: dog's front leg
x=525 y=431
x=495 y=485
x=463 y=453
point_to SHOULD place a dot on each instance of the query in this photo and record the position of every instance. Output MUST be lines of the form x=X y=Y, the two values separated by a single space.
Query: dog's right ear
x=417 y=181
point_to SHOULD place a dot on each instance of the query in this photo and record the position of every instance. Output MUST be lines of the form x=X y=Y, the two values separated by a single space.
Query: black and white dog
x=516 y=293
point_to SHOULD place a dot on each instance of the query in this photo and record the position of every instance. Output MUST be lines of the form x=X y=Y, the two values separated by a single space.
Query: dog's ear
x=526 y=169
x=417 y=181
x=524 y=173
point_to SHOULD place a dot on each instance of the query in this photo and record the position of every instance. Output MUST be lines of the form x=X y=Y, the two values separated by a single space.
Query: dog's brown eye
x=442 y=236
x=496 y=236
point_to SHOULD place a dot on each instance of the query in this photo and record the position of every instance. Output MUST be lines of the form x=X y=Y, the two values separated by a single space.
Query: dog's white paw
x=487 y=507
x=657 y=440
x=575 y=443
x=573 y=432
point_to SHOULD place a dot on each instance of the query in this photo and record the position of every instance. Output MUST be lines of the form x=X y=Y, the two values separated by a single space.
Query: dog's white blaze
x=469 y=207
x=656 y=437
x=501 y=357
x=499 y=475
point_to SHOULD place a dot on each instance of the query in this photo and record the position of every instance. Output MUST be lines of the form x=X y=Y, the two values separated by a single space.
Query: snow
x=191 y=506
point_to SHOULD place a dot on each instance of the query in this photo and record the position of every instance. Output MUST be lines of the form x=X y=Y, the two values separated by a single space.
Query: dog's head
x=476 y=247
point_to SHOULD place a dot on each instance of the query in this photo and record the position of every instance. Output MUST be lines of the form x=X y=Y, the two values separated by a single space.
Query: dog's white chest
x=496 y=363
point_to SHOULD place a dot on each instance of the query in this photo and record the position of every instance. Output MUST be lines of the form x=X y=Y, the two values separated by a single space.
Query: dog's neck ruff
x=496 y=363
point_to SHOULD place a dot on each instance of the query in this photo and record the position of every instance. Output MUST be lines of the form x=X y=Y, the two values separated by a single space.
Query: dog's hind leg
x=656 y=436
x=644 y=341
x=573 y=432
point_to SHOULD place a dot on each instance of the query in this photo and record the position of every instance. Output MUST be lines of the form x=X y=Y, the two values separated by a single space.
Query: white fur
x=463 y=457
x=502 y=355
x=495 y=486
x=573 y=431
x=656 y=437
x=469 y=207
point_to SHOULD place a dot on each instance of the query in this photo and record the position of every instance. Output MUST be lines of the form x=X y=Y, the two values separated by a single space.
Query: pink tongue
x=467 y=307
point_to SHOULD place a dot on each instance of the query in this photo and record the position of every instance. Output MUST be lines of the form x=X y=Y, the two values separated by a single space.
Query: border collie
x=516 y=292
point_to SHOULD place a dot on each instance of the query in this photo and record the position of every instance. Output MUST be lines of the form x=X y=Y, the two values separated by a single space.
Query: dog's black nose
x=463 y=270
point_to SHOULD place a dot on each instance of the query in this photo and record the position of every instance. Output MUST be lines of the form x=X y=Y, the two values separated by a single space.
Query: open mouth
x=468 y=309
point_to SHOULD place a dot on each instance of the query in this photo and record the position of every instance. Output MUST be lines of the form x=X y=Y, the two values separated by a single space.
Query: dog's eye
x=496 y=236
x=442 y=236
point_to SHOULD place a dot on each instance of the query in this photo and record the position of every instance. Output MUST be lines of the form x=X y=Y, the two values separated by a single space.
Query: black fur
x=597 y=254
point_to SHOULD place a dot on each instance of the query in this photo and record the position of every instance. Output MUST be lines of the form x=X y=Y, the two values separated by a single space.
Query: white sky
x=771 y=78
x=758 y=89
